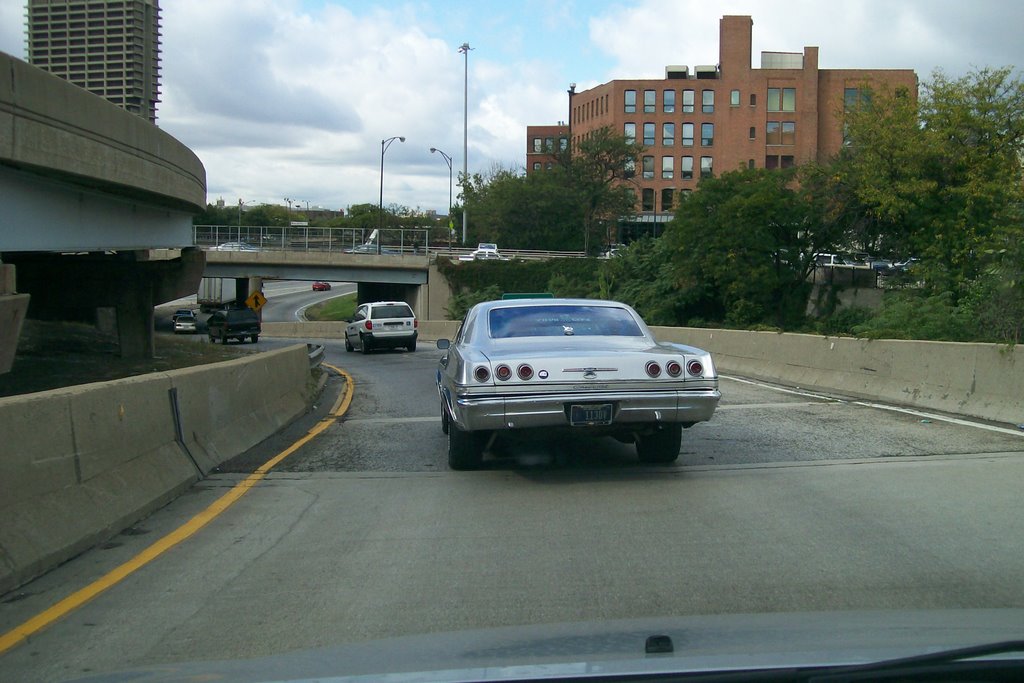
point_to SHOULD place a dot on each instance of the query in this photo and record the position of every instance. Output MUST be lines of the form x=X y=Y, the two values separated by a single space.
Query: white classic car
x=586 y=366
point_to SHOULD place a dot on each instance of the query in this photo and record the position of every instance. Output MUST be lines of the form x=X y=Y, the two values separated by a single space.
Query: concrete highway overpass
x=89 y=191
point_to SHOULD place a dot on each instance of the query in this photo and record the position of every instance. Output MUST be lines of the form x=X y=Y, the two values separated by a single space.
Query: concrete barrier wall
x=429 y=330
x=976 y=380
x=78 y=465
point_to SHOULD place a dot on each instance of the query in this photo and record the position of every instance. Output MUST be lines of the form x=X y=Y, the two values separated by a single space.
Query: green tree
x=742 y=247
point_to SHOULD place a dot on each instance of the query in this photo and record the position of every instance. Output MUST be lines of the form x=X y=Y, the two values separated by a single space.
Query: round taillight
x=653 y=369
x=482 y=374
x=695 y=367
x=503 y=372
x=368 y=325
x=524 y=371
x=673 y=368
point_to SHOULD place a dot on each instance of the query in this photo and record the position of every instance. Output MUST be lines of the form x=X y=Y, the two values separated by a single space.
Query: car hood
x=607 y=648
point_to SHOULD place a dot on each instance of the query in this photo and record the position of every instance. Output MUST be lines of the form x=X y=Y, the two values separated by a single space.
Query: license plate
x=589 y=415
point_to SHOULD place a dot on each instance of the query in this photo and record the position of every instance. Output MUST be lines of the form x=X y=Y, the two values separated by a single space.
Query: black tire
x=255 y=338
x=465 y=449
x=348 y=344
x=212 y=339
x=445 y=422
x=411 y=346
x=224 y=337
x=364 y=345
x=661 y=446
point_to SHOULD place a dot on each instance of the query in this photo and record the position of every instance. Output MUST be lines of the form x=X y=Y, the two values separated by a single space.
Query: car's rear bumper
x=629 y=408
x=380 y=340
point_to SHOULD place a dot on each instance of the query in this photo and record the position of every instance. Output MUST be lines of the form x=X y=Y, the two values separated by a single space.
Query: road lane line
x=27 y=629
x=881 y=406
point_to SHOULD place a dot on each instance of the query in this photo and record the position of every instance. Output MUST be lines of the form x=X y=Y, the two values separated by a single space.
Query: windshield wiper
x=931 y=665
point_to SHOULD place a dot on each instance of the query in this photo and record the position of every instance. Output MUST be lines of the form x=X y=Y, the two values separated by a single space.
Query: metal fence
x=402 y=240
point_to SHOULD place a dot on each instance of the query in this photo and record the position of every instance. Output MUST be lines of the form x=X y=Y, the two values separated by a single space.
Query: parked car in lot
x=380 y=325
x=580 y=366
x=234 y=323
x=184 y=321
x=485 y=251
x=321 y=286
x=235 y=246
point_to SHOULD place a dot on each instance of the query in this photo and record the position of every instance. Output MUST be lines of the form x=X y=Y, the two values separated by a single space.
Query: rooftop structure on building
x=109 y=47
x=713 y=118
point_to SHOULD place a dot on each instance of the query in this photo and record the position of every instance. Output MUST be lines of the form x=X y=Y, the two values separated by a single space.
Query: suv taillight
x=368 y=325
x=415 y=322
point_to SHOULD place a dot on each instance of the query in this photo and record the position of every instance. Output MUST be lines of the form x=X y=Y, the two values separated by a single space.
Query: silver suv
x=381 y=324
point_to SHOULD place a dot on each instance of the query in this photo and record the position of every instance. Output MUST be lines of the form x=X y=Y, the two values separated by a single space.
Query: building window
x=549 y=144
x=536 y=145
x=548 y=166
x=536 y=166
x=629 y=170
x=854 y=98
x=563 y=143
x=773 y=133
x=667 y=168
x=630 y=132
x=687 y=135
x=648 y=134
x=648 y=167
x=630 y=101
x=708 y=102
x=686 y=168
x=750 y=163
x=649 y=103
x=789 y=132
x=707 y=134
x=753 y=132
x=784 y=161
x=668 y=101
x=788 y=161
x=734 y=98
x=753 y=100
x=781 y=99
x=687 y=101
x=648 y=195
x=668 y=134
x=666 y=199
x=706 y=167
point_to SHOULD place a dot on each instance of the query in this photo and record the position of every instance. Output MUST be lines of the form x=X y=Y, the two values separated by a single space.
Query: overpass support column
x=12 y=314
x=135 y=316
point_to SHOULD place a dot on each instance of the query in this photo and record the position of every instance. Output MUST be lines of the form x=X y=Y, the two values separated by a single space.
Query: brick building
x=717 y=118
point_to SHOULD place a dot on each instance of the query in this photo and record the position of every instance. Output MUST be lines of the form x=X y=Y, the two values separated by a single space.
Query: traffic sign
x=256 y=301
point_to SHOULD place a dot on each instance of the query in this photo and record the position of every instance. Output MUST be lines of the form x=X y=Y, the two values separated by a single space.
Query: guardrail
x=316 y=355
x=399 y=240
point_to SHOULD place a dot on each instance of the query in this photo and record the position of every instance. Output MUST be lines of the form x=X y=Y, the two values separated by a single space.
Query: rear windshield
x=392 y=312
x=554 y=321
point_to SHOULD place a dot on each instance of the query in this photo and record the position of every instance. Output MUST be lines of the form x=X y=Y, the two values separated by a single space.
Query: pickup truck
x=237 y=323
x=485 y=251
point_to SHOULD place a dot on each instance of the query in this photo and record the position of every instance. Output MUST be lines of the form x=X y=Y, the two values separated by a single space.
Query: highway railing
x=402 y=241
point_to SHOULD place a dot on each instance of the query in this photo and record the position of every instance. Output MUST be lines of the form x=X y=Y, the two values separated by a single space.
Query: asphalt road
x=784 y=502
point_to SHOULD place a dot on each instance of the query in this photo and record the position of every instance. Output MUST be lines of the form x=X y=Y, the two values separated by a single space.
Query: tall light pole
x=464 y=49
x=451 y=225
x=384 y=144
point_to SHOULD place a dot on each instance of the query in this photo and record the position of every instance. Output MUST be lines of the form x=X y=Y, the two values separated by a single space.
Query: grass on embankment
x=336 y=308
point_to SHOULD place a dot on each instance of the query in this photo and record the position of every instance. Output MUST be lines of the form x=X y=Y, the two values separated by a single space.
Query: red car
x=320 y=286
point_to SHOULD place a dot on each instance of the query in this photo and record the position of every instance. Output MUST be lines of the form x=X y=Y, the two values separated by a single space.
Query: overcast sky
x=291 y=98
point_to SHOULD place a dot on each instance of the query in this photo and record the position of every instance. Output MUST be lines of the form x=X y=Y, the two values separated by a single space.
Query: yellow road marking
x=72 y=602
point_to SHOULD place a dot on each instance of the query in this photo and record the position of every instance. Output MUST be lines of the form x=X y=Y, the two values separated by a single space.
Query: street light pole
x=451 y=225
x=384 y=144
x=464 y=49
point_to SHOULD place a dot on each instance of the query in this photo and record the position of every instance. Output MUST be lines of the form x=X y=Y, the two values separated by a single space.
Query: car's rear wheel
x=445 y=423
x=465 y=449
x=661 y=446
x=364 y=345
x=348 y=344
x=224 y=337
x=255 y=338
x=411 y=345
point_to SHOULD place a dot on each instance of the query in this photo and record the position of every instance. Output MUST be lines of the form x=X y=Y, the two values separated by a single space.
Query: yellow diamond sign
x=256 y=301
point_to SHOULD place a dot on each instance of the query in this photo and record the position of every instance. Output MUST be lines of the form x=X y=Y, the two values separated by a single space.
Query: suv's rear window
x=392 y=312
x=553 y=321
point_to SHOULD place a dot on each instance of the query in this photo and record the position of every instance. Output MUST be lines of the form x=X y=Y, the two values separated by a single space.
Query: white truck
x=215 y=292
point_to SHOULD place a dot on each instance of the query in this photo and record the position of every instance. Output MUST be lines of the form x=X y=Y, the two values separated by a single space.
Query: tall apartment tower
x=109 y=47
x=717 y=117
